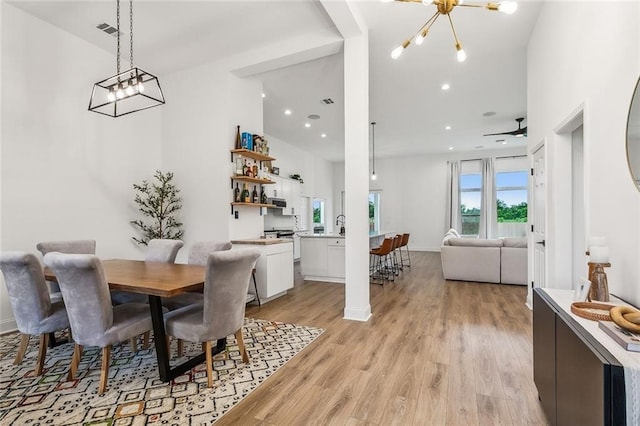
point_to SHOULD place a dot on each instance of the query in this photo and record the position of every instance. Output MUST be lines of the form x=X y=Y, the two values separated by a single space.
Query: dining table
x=157 y=280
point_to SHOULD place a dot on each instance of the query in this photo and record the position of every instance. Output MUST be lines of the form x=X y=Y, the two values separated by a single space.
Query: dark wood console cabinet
x=579 y=382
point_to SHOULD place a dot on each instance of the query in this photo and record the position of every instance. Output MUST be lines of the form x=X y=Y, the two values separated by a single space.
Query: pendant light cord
x=118 y=37
x=131 y=33
x=373 y=135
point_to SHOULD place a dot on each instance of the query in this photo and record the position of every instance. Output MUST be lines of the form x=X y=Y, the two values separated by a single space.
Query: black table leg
x=164 y=369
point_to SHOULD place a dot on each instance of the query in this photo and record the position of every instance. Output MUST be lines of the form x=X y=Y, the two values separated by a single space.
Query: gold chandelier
x=445 y=7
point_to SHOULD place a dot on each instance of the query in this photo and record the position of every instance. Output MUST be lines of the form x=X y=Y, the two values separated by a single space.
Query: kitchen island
x=274 y=269
x=322 y=255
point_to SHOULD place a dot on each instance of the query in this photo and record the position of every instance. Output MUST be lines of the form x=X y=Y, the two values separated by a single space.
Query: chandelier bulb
x=395 y=54
x=462 y=55
x=427 y=2
x=420 y=38
x=111 y=97
x=508 y=7
x=373 y=176
x=120 y=92
x=130 y=90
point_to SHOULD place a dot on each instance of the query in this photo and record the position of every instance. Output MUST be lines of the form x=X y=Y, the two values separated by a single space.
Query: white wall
x=414 y=193
x=198 y=132
x=316 y=173
x=66 y=173
x=581 y=53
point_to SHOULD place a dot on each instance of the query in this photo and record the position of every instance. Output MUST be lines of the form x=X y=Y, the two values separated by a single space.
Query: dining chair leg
x=104 y=371
x=24 y=342
x=42 y=353
x=243 y=350
x=75 y=361
x=180 y=347
x=145 y=340
x=207 y=351
x=134 y=346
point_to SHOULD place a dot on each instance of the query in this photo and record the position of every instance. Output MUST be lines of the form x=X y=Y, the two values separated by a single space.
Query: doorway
x=539 y=203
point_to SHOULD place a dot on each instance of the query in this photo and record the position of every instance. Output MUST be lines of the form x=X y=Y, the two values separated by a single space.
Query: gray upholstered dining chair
x=222 y=311
x=198 y=255
x=33 y=310
x=162 y=250
x=66 y=246
x=158 y=250
x=199 y=252
x=94 y=321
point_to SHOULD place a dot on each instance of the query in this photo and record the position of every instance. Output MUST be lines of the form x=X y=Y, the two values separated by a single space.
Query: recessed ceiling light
x=445 y=86
x=264 y=96
x=450 y=148
x=489 y=114
x=307 y=125
x=324 y=135
x=448 y=128
x=313 y=117
x=504 y=142
x=479 y=146
x=287 y=112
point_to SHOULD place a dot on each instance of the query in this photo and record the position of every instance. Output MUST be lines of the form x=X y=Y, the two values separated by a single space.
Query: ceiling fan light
x=462 y=55
x=508 y=7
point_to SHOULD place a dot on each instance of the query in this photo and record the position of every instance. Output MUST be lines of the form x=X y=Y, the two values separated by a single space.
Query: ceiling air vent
x=327 y=101
x=112 y=31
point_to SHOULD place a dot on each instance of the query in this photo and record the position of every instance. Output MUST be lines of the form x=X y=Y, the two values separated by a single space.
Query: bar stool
x=405 y=244
x=380 y=261
x=397 y=242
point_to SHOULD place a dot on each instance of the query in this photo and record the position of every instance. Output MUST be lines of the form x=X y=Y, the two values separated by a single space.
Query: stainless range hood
x=278 y=202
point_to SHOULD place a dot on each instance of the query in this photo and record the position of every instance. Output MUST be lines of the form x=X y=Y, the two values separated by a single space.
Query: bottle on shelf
x=238 y=140
x=254 y=196
x=236 y=194
x=245 y=168
x=246 y=197
x=263 y=195
x=250 y=171
x=238 y=166
x=255 y=170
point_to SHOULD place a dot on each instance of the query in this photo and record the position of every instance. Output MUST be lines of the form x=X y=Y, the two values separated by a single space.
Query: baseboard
x=8 y=325
x=357 y=314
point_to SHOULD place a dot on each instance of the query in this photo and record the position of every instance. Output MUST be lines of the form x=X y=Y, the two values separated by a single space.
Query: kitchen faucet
x=340 y=221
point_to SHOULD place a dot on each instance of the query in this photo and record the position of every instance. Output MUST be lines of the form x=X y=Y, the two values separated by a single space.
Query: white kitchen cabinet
x=274 y=268
x=335 y=258
x=289 y=189
x=296 y=248
x=322 y=258
x=313 y=256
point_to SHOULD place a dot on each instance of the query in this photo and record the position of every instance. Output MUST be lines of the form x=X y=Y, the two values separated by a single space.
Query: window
x=374 y=211
x=318 y=215
x=470 y=202
x=511 y=203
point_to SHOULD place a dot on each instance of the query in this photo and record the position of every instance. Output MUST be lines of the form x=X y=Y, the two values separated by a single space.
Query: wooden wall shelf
x=251 y=180
x=252 y=154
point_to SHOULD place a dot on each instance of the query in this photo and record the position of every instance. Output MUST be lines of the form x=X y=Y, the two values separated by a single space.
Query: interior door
x=539 y=215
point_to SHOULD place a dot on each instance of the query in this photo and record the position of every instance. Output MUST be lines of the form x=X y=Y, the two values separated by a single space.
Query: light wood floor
x=434 y=353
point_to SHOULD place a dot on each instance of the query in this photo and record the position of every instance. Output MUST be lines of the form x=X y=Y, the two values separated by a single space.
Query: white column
x=356 y=120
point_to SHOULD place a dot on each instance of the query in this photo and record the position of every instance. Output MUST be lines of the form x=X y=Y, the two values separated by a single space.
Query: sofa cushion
x=515 y=242
x=453 y=232
x=474 y=242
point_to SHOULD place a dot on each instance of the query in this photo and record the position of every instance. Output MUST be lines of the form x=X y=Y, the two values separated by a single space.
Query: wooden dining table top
x=154 y=278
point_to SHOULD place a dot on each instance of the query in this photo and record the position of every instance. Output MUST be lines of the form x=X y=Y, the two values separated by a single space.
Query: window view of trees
x=513 y=213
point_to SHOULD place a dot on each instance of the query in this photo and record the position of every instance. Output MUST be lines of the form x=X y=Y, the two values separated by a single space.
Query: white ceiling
x=406 y=101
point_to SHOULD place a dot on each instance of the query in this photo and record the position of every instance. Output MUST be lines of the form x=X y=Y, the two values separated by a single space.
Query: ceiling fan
x=519 y=132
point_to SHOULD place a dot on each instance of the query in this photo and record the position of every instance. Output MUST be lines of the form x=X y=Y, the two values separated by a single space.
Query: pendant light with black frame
x=129 y=91
x=373 y=150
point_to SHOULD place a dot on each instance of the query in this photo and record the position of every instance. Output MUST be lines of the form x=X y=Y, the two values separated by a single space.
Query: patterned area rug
x=135 y=395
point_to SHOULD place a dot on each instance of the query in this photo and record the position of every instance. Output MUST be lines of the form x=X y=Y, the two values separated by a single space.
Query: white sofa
x=501 y=260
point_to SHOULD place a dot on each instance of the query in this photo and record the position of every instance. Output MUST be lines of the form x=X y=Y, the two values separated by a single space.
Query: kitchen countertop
x=262 y=241
x=335 y=235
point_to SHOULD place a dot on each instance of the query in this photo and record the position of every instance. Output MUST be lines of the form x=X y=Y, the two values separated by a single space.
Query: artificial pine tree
x=160 y=203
